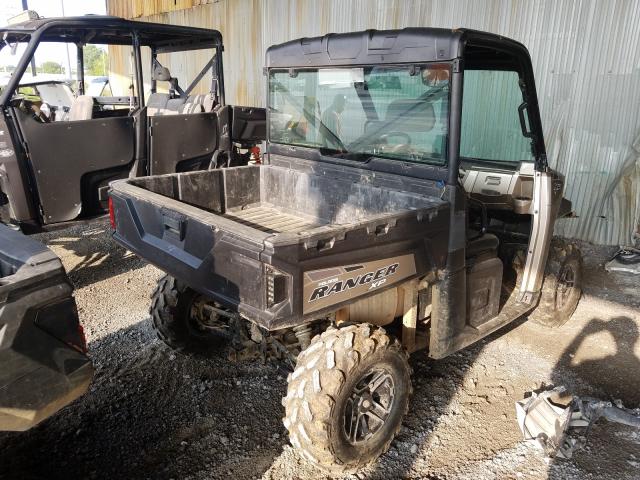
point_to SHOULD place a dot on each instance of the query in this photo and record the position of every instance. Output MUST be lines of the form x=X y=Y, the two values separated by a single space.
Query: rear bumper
x=36 y=396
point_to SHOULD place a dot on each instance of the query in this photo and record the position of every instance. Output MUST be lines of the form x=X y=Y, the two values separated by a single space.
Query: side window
x=183 y=67
x=120 y=68
x=490 y=123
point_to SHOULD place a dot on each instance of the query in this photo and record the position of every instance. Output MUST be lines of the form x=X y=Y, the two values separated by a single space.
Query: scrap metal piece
x=592 y=409
x=545 y=422
x=559 y=422
x=627 y=260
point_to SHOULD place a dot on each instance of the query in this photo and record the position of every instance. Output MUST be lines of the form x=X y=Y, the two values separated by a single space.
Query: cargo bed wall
x=202 y=189
x=323 y=200
x=332 y=200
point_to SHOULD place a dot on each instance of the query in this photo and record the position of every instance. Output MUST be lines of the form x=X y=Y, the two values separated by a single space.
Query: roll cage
x=99 y=29
x=58 y=166
x=463 y=49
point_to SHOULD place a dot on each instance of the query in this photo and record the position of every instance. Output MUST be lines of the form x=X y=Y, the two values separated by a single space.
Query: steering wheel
x=398 y=147
x=46 y=112
x=32 y=109
x=405 y=136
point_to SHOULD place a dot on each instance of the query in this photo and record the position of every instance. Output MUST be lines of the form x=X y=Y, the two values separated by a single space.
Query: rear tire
x=562 y=285
x=347 y=397
x=172 y=303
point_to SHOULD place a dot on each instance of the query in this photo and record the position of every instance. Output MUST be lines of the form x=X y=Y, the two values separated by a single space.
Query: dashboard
x=499 y=188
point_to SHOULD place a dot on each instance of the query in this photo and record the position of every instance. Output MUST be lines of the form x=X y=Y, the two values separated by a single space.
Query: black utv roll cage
x=160 y=38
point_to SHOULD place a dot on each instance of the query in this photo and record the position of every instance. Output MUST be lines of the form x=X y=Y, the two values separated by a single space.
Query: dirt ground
x=152 y=414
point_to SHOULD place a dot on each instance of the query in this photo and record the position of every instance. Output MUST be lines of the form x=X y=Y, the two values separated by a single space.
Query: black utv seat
x=487 y=243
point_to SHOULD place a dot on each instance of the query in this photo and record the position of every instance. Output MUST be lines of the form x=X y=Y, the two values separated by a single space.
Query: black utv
x=43 y=352
x=406 y=204
x=60 y=148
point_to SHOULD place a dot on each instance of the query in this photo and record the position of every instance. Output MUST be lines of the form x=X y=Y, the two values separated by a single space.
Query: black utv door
x=75 y=147
x=181 y=142
x=71 y=160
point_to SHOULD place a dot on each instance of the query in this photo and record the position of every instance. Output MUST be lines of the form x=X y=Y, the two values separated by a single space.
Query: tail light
x=83 y=338
x=112 y=215
x=277 y=286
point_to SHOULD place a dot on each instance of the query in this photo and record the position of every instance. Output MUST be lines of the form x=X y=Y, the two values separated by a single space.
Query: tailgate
x=215 y=255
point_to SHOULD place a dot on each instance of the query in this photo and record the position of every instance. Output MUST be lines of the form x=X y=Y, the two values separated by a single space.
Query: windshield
x=398 y=112
x=10 y=54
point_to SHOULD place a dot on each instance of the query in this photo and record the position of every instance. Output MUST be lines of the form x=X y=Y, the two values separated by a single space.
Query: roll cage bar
x=110 y=30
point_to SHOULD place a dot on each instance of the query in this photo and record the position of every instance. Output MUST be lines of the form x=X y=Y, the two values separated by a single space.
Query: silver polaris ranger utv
x=405 y=205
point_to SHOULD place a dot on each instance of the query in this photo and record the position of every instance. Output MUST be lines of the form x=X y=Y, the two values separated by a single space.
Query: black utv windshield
x=398 y=112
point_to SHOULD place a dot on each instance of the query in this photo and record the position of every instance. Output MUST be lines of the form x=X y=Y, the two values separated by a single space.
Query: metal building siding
x=586 y=56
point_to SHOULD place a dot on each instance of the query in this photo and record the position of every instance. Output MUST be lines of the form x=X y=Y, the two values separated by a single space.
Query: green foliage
x=95 y=61
x=50 y=67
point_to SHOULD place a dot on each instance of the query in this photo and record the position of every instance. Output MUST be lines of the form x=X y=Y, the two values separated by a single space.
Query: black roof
x=407 y=45
x=104 y=29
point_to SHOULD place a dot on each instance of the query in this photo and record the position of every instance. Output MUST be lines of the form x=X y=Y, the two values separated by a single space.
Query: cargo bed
x=225 y=231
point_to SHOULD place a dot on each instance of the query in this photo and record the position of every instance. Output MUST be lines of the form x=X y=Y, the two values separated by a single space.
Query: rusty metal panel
x=585 y=55
x=139 y=8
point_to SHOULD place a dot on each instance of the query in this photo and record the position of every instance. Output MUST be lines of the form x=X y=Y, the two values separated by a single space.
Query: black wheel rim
x=564 y=287
x=369 y=406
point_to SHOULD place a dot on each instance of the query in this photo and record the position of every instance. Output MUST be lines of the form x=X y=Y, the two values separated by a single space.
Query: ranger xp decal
x=329 y=286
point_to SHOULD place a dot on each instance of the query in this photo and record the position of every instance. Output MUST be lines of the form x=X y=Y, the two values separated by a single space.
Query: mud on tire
x=562 y=285
x=322 y=396
x=170 y=311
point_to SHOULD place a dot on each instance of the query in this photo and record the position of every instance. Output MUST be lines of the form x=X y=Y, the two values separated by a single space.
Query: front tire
x=347 y=396
x=562 y=285
x=172 y=311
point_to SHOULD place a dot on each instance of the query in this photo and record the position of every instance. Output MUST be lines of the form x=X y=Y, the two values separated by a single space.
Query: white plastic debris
x=627 y=260
x=545 y=422
x=558 y=422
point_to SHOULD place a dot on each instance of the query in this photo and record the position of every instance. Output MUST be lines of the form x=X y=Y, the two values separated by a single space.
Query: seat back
x=410 y=115
x=81 y=108
x=157 y=103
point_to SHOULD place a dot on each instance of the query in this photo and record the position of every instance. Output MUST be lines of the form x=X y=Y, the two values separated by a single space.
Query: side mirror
x=13 y=47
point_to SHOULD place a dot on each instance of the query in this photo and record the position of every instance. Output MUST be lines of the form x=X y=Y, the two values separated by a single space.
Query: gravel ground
x=153 y=414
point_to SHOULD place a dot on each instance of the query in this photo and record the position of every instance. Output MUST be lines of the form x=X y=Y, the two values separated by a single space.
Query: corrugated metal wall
x=586 y=56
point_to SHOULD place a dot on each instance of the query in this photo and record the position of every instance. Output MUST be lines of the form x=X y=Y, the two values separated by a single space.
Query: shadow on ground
x=89 y=253
x=602 y=359
x=607 y=361
x=153 y=414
